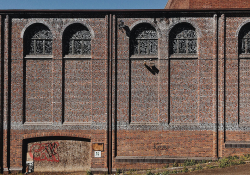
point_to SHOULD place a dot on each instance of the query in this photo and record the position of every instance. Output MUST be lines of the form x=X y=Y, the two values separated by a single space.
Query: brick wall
x=185 y=107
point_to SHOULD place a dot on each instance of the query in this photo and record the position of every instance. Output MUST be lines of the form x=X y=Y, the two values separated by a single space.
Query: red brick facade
x=185 y=100
x=208 y=4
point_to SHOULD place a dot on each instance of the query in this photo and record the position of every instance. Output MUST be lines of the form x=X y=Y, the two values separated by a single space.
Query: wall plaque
x=97 y=146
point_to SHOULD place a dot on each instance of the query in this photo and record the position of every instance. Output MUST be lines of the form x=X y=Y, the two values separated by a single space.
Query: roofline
x=25 y=11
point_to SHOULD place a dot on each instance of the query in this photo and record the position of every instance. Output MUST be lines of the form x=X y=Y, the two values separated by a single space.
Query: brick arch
x=54 y=134
x=78 y=22
x=37 y=22
x=242 y=25
x=134 y=25
x=171 y=27
x=197 y=29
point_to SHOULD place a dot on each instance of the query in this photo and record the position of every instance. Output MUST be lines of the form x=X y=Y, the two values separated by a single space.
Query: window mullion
x=81 y=47
x=44 y=47
x=178 y=48
x=34 y=46
x=246 y=46
x=138 y=49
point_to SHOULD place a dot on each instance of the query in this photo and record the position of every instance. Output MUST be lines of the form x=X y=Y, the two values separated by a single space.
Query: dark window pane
x=32 y=47
x=243 y=47
x=248 y=45
x=48 y=47
x=77 y=47
x=192 y=46
x=86 y=47
x=143 y=47
x=153 y=45
x=39 y=47
x=182 y=46
x=175 y=46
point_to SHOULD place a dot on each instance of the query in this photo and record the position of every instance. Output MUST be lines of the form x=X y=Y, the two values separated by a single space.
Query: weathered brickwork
x=207 y=4
x=145 y=101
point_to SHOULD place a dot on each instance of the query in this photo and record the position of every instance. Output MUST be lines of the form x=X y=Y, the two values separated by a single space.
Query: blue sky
x=82 y=4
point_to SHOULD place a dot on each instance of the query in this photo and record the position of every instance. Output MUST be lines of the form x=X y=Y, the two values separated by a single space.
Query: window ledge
x=39 y=56
x=78 y=56
x=144 y=57
x=244 y=56
x=181 y=56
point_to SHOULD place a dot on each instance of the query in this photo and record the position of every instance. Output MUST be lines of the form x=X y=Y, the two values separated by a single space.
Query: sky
x=82 y=4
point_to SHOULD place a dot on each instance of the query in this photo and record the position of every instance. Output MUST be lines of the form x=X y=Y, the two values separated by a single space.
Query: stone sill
x=38 y=57
x=184 y=56
x=247 y=56
x=77 y=57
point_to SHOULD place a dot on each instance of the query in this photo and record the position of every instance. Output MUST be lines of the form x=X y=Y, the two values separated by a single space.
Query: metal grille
x=183 y=40
x=144 y=41
x=38 y=40
x=77 y=41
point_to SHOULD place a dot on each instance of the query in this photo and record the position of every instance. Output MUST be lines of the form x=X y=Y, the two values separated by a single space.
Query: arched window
x=244 y=40
x=144 y=41
x=38 y=40
x=77 y=40
x=183 y=39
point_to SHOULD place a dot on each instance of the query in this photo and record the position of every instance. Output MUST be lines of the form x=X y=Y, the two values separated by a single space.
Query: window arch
x=183 y=39
x=38 y=40
x=144 y=41
x=244 y=39
x=77 y=40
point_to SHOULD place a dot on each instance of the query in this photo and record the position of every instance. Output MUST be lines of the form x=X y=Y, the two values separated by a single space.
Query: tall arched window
x=144 y=41
x=37 y=81
x=244 y=40
x=38 y=40
x=77 y=41
x=183 y=39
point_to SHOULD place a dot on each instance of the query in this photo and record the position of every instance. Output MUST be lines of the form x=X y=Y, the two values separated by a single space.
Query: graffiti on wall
x=45 y=151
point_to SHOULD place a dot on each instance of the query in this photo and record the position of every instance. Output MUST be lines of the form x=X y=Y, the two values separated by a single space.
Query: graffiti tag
x=45 y=151
x=160 y=147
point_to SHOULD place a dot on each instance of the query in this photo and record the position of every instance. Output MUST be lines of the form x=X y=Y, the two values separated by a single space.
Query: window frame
x=68 y=37
x=30 y=38
x=150 y=42
x=180 y=29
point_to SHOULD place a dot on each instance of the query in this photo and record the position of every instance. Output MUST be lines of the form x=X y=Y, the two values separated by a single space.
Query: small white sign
x=98 y=154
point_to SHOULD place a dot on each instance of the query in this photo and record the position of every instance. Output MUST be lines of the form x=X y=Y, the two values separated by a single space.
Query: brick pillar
x=6 y=96
x=215 y=88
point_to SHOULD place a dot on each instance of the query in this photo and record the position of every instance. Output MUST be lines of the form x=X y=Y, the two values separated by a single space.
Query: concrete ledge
x=15 y=170
x=149 y=159
x=233 y=144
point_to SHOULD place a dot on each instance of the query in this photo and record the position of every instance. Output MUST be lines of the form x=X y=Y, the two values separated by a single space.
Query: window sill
x=144 y=57
x=39 y=56
x=183 y=56
x=77 y=57
x=244 y=56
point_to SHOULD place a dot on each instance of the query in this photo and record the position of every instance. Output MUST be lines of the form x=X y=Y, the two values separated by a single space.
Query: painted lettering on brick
x=45 y=151
x=160 y=147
